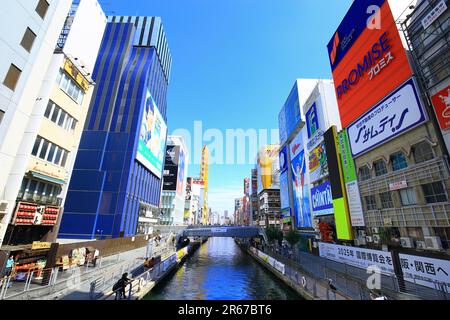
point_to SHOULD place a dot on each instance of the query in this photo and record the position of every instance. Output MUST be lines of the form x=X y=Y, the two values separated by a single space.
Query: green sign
x=348 y=165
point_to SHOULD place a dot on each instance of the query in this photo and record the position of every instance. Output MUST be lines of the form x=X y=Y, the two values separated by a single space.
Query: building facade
x=55 y=127
x=204 y=176
x=118 y=171
x=26 y=54
x=174 y=182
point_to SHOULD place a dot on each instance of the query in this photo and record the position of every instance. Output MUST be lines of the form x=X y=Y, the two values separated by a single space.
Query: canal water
x=220 y=270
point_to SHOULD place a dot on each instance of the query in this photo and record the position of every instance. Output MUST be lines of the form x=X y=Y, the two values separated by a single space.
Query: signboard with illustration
x=268 y=168
x=318 y=165
x=441 y=104
x=300 y=181
x=401 y=111
x=152 y=138
x=284 y=191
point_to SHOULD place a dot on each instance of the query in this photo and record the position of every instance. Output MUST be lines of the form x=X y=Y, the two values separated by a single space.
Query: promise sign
x=367 y=58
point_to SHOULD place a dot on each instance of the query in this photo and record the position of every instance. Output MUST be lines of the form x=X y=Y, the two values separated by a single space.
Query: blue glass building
x=109 y=187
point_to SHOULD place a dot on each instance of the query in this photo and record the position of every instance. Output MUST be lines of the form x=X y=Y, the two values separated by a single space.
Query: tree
x=274 y=234
x=292 y=237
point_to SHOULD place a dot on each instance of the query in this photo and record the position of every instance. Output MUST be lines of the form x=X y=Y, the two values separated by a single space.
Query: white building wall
x=18 y=104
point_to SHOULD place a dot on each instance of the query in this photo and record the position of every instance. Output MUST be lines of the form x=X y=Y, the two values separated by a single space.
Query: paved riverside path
x=75 y=284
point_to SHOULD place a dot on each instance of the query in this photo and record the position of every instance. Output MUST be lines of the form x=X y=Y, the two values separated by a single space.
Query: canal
x=220 y=270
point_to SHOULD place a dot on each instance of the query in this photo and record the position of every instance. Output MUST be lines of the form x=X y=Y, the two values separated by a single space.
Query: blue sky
x=234 y=63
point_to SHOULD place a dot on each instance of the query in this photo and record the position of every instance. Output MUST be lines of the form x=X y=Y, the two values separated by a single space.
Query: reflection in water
x=219 y=270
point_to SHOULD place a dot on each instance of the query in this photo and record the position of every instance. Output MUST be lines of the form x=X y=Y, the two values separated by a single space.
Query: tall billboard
x=268 y=168
x=152 y=138
x=181 y=179
x=340 y=206
x=300 y=180
x=367 y=58
x=351 y=181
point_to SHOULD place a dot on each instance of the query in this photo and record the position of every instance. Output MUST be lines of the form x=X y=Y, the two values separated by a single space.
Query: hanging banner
x=358 y=257
x=425 y=271
x=401 y=111
x=351 y=181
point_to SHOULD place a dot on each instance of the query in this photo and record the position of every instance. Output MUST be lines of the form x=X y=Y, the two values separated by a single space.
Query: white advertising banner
x=354 y=204
x=399 y=112
x=358 y=257
x=426 y=271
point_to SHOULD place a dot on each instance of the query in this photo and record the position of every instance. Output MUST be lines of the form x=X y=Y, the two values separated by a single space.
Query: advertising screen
x=300 y=181
x=367 y=58
x=268 y=168
x=290 y=115
x=152 y=138
x=171 y=168
x=181 y=172
x=284 y=190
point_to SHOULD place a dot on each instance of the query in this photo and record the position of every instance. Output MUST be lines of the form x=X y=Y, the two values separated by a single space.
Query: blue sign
x=322 y=199
x=312 y=121
x=290 y=115
x=351 y=27
x=283 y=159
x=282 y=126
x=284 y=191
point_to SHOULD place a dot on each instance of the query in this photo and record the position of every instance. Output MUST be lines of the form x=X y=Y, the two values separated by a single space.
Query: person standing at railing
x=119 y=287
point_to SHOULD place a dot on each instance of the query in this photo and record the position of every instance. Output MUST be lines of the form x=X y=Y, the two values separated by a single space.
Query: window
x=386 y=200
x=70 y=87
x=422 y=152
x=12 y=77
x=364 y=173
x=408 y=197
x=55 y=114
x=371 y=203
x=28 y=39
x=380 y=167
x=434 y=192
x=42 y=8
x=37 y=144
x=2 y=113
x=49 y=152
x=398 y=161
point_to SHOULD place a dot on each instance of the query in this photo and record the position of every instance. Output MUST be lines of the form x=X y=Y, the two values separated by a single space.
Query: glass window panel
x=32 y=186
x=434 y=192
x=398 y=161
x=64 y=158
x=62 y=117
x=58 y=155
x=55 y=114
x=380 y=168
x=51 y=153
x=48 y=111
x=422 y=152
x=408 y=197
x=37 y=143
x=71 y=89
x=44 y=149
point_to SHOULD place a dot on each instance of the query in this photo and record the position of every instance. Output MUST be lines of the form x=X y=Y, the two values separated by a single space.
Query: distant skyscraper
x=204 y=176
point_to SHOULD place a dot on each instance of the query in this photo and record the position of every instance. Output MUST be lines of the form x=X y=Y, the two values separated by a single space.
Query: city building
x=204 y=176
x=174 y=182
x=269 y=186
x=118 y=172
x=398 y=150
x=254 y=202
x=193 y=203
x=48 y=147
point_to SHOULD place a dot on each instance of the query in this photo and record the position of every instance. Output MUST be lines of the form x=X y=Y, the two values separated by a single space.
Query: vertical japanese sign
x=351 y=181
x=341 y=214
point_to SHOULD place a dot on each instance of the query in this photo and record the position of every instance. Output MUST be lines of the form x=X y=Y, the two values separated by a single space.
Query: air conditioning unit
x=421 y=245
x=376 y=238
x=3 y=207
x=407 y=242
x=375 y=230
x=362 y=233
x=369 y=239
x=433 y=243
x=360 y=242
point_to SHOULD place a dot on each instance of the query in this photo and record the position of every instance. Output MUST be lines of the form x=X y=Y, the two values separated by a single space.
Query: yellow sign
x=72 y=70
x=40 y=245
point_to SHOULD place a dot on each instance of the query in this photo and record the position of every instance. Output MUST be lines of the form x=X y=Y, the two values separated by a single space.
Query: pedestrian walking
x=96 y=255
x=9 y=268
x=332 y=287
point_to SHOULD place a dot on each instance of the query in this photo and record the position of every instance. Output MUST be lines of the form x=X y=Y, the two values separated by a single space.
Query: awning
x=47 y=178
